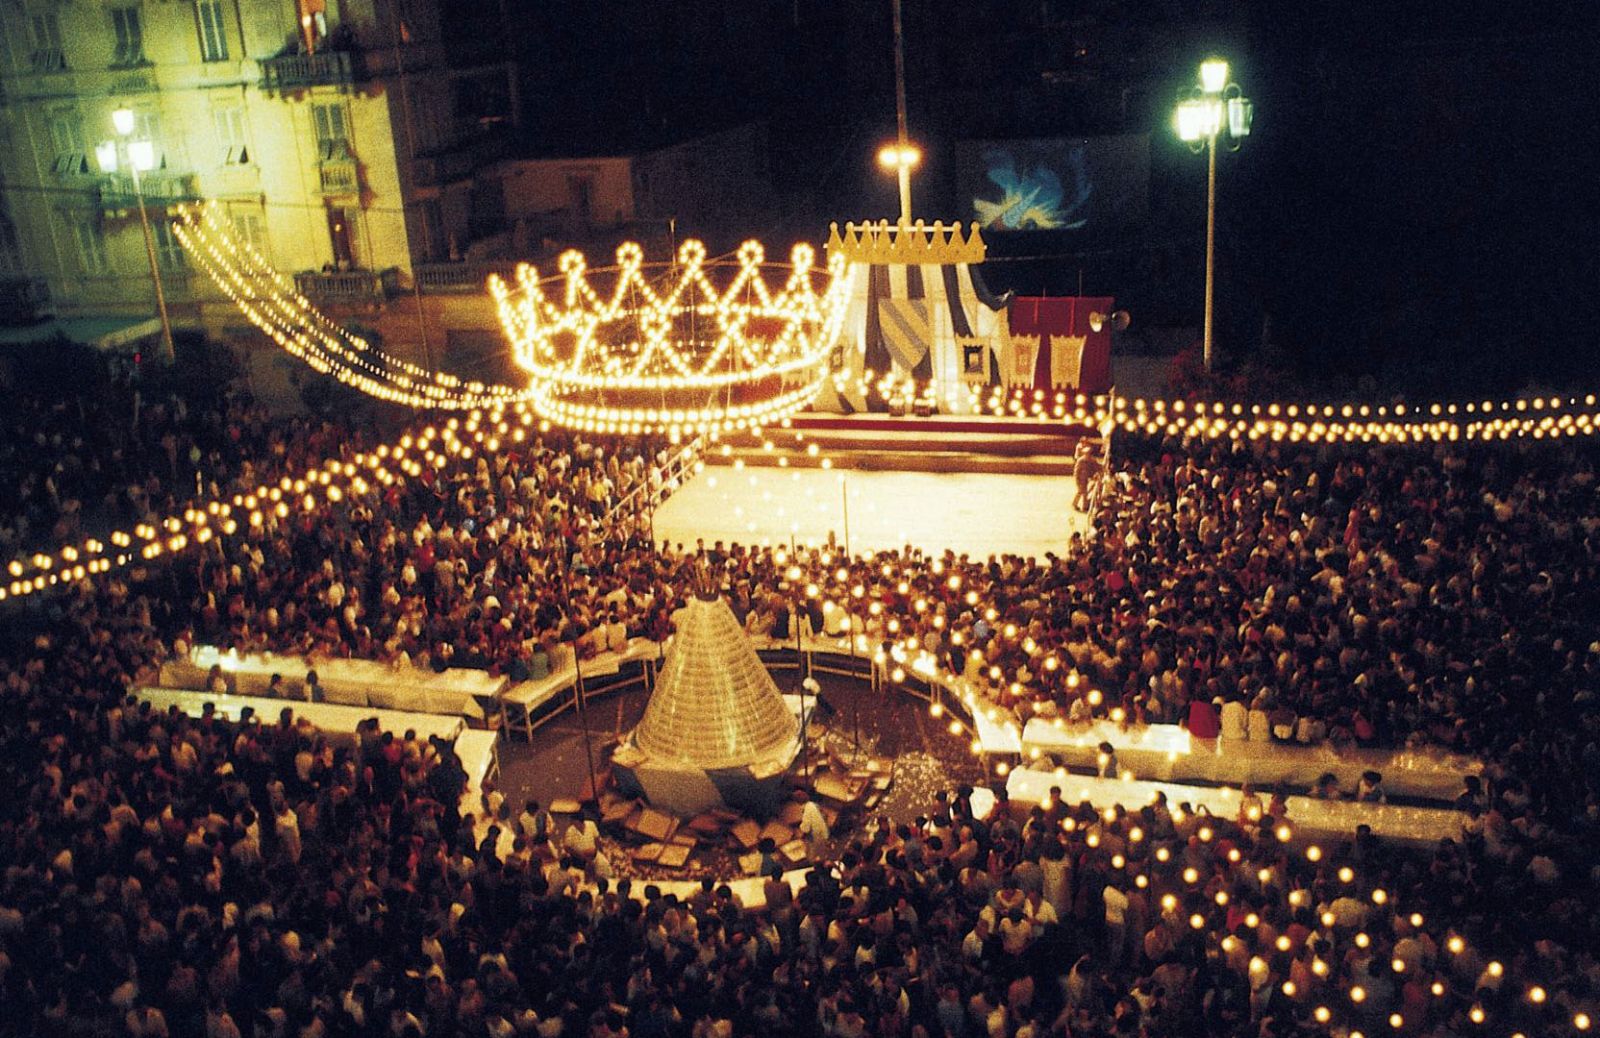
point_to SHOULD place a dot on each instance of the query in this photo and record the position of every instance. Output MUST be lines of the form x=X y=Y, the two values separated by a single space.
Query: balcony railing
x=339 y=177
x=299 y=71
x=160 y=188
x=348 y=286
x=461 y=278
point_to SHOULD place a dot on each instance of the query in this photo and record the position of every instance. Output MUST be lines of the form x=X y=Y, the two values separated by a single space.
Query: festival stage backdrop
x=1089 y=184
x=1053 y=345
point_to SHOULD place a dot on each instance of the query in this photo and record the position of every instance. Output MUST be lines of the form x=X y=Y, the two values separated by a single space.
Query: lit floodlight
x=894 y=156
x=638 y=348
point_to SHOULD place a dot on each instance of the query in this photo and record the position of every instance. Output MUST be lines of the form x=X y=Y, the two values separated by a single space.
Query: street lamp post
x=140 y=155
x=902 y=155
x=1215 y=109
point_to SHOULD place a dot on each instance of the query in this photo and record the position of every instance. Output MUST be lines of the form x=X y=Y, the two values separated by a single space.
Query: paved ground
x=976 y=513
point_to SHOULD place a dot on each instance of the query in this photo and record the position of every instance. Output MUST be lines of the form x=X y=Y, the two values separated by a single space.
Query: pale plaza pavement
x=976 y=513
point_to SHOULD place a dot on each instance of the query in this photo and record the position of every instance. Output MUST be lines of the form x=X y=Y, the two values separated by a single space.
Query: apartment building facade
x=341 y=138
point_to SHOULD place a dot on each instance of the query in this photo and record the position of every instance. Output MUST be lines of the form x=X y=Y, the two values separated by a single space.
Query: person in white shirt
x=581 y=839
x=287 y=826
x=1116 y=920
x=1235 y=720
x=813 y=826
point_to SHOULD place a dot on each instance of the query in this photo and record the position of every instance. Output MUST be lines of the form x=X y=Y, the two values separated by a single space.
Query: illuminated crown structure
x=884 y=242
x=638 y=348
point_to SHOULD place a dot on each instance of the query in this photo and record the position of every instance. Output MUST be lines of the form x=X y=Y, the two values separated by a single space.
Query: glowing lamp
x=1195 y=120
x=142 y=155
x=1213 y=75
x=1241 y=111
x=896 y=156
x=105 y=154
x=122 y=121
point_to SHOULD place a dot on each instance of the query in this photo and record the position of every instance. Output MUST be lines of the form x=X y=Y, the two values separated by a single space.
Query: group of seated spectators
x=172 y=876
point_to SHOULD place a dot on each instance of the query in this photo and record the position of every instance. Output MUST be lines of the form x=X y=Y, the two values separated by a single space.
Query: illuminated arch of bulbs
x=638 y=347
x=272 y=303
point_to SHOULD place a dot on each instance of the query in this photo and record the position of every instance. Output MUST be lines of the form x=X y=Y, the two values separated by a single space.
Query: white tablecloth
x=326 y=716
x=1328 y=819
x=459 y=691
x=1166 y=752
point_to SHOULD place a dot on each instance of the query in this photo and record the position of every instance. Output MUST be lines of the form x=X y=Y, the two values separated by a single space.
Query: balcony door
x=341 y=234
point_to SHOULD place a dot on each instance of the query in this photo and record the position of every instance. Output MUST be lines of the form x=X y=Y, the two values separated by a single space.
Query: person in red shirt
x=1202 y=723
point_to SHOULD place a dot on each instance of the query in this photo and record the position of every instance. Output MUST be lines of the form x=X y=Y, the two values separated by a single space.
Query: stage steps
x=885 y=444
x=880 y=460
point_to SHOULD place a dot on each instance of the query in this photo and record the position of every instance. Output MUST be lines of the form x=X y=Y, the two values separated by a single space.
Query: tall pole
x=168 y=355
x=1211 y=242
x=903 y=173
x=583 y=718
x=844 y=496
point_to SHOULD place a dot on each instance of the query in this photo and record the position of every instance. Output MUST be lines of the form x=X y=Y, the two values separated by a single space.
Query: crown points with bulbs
x=697 y=345
x=884 y=242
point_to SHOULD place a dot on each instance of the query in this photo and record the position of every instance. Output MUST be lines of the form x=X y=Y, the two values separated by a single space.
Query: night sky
x=1416 y=209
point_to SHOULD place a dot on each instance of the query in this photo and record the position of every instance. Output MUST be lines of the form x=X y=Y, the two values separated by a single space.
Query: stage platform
x=978 y=513
x=941 y=443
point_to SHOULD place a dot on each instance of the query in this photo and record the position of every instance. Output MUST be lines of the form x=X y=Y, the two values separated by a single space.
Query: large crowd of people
x=177 y=876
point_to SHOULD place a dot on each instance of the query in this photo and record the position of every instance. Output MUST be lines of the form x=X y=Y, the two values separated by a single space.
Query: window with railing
x=213 y=30
x=129 y=36
x=47 y=55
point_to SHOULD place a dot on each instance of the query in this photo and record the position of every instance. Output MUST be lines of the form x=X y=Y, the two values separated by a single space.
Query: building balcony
x=338 y=177
x=348 y=286
x=302 y=71
x=159 y=187
x=461 y=278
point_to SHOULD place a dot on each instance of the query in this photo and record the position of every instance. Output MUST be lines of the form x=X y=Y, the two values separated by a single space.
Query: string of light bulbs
x=270 y=302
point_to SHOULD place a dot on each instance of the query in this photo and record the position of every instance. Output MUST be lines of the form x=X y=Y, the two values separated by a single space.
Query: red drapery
x=1058 y=317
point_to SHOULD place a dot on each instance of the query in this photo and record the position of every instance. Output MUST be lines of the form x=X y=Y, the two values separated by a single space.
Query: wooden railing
x=658 y=485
